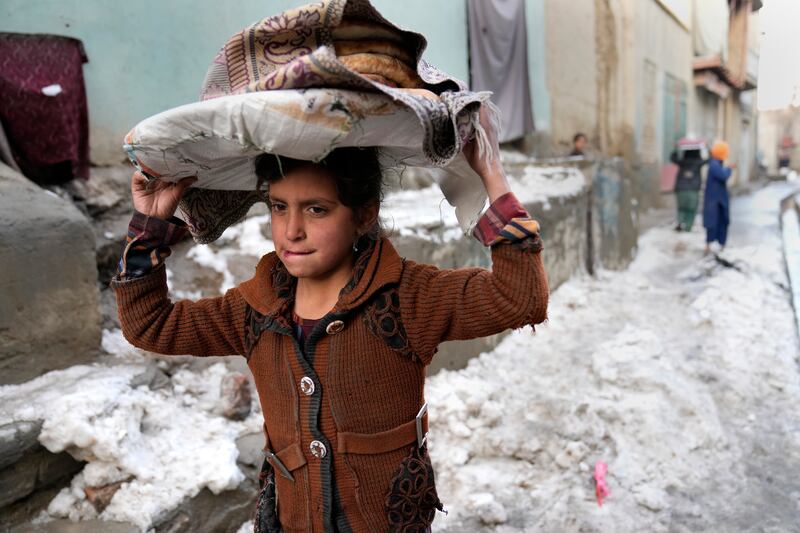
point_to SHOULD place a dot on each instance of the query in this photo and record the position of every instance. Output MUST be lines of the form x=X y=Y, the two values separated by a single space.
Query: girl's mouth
x=290 y=253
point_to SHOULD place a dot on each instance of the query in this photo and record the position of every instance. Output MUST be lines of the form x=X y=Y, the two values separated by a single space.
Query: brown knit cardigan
x=340 y=414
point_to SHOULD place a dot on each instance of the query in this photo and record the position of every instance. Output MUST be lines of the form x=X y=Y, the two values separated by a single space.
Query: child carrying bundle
x=336 y=327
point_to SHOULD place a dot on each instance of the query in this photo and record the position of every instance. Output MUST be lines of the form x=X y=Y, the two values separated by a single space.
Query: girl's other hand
x=488 y=165
x=157 y=198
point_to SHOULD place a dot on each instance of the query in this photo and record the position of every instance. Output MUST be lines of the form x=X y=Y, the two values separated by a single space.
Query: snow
x=166 y=444
x=423 y=213
x=426 y=214
x=247 y=527
x=680 y=373
x=543 y=184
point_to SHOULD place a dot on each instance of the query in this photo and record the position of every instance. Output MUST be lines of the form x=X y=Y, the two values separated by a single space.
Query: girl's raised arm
x=439 y=305
x=149 y=320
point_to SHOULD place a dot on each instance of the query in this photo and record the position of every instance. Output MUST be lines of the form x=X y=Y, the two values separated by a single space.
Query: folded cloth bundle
x=300 y=84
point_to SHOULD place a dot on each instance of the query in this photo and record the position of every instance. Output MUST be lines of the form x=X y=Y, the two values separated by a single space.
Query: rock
x=35 y=471
x=107 y=188
x=18 y=439
x=236 y=396
x=18 y=516
x=208 y=512
x=153 y=377
x=250 y=448
x=49 y=316
x=100 y=497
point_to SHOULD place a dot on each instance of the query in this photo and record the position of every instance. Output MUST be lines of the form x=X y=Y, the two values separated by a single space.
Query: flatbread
x=359 y=30
x=380 y=79
x=374 y=46
x=389 y=67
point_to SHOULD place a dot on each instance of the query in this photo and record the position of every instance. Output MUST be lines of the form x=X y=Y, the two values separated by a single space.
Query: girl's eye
x=317 y=210
x=276 y=208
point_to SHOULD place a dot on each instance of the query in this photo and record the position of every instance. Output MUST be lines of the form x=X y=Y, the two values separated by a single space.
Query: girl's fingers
x=179 y=187
x=138 y=181
x=186 y=182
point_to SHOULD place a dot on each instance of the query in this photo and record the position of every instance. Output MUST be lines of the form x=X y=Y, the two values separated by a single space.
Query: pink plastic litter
x=601 y=487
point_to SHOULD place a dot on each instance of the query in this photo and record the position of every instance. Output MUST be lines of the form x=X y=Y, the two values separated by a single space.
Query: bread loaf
x=386 y=66
x=374 y=46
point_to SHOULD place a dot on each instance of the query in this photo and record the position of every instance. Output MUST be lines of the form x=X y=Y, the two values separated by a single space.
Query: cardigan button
x=318 y=449
x=334 y=327
x=307 y=385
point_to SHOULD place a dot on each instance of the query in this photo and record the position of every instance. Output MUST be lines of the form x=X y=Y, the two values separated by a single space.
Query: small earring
x=355 y=243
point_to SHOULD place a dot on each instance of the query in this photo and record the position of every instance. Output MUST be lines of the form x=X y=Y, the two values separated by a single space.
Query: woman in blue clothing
x=715 y=203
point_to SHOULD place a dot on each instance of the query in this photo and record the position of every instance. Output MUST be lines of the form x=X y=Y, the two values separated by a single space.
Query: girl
x=337 y=330
x=715 y=200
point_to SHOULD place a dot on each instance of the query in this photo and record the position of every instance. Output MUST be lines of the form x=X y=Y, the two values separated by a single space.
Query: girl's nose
x=294 y=226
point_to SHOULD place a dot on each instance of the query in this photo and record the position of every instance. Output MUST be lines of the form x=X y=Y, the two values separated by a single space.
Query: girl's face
x=312 y=230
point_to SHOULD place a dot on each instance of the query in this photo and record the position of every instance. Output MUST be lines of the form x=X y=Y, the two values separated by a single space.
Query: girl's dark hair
x=356 y=172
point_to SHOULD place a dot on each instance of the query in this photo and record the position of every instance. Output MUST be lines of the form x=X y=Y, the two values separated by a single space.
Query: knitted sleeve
x=438 y=305
x=149 y=320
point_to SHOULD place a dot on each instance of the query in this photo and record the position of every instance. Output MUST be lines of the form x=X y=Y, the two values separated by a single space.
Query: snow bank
x=166 y=444
x=661 y=371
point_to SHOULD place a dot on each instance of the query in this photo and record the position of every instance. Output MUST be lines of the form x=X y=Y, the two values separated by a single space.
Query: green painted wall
x=150 y=55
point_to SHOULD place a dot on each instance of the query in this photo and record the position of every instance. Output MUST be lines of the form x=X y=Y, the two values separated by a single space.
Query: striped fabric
x=148 y=244
x=505 y=221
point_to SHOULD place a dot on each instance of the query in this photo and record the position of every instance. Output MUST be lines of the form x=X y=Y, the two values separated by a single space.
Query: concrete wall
x=148 y=56
x=49 y=315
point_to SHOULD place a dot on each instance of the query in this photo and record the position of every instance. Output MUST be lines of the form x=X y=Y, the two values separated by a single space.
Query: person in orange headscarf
x=716 y=213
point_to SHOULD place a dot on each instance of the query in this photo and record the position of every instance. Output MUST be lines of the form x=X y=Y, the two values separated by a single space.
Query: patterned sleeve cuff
x=148 y=244
x=505 y=221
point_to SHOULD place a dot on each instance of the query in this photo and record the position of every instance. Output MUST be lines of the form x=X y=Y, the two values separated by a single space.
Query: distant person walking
x=716 y=214
x=579 y=142
x=687 y=185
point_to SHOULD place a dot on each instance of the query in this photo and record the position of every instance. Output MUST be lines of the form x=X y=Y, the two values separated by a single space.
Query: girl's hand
x=488 y=165
x=157 y=198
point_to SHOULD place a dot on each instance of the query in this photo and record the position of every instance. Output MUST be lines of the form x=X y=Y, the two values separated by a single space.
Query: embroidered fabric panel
x=254 y=325
x=382 y=316
x=265 y=517
x=412 y=500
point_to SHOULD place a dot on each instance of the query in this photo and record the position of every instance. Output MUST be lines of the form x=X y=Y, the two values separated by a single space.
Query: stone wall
x=49 y=315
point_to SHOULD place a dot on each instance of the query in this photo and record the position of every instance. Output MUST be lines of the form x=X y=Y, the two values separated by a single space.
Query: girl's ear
x=367 y=216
